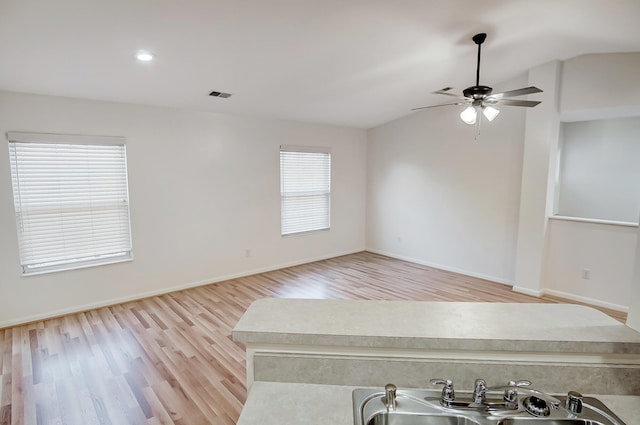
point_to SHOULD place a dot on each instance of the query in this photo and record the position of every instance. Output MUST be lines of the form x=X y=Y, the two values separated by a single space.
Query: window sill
x=594 y=221
x=305 y=232
x=77 y=266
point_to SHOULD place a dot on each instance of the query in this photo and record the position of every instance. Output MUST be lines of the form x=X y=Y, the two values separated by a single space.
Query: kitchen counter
x=560 y=328
x=369 y=343
x=274 y=403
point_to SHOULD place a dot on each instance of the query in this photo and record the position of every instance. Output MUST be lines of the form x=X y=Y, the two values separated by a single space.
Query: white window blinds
x=71 y=200
x=305 y=189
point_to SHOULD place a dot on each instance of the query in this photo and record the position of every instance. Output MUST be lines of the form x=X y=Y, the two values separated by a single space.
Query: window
x=71 y=200
x=305 y=189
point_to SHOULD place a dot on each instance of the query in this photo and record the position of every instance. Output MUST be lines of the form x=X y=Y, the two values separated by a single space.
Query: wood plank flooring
x=170 y=359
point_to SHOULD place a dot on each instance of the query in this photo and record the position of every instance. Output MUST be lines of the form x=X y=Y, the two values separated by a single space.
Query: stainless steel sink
x=385 y=418
x=424 y=407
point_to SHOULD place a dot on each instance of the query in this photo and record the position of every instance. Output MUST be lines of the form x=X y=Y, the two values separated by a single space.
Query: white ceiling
x=356 y=63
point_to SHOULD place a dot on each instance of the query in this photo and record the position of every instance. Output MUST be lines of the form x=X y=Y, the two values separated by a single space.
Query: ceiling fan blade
x=513 y=102
x=436 y=106
x=517 y=92
x=449 y=94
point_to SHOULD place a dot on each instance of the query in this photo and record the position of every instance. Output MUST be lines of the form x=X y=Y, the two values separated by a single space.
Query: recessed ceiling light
x=144 y=56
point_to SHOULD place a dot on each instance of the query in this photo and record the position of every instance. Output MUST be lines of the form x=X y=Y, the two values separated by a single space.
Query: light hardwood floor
x=170 y=359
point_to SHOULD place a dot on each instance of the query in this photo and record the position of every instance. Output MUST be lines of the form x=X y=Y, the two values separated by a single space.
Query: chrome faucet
x=511 y=395
x=479 y=397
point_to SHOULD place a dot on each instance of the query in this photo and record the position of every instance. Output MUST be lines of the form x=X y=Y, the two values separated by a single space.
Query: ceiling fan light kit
x=490 y=112
x=481 y=98
x=470 y=113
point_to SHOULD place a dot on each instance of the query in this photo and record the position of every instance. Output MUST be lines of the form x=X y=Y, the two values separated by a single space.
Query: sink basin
x=391 y=418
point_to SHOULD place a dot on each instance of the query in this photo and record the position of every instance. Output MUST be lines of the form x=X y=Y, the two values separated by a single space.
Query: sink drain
x=536 y=406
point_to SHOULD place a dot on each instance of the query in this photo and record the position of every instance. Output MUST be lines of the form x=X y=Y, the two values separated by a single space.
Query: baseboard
x=586 y=300
x=219 y=279
x=527 y=291
x=163 y=291
x=515 y=288
x=443 y=267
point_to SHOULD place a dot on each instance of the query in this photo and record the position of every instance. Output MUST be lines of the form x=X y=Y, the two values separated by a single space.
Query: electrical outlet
x=247 y=253
x=586 y=274
x=399 y=239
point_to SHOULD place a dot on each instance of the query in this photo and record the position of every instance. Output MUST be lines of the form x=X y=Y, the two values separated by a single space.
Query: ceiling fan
x=480 y=98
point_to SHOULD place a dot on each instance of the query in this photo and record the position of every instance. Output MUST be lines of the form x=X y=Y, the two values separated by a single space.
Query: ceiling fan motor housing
x=477 y=92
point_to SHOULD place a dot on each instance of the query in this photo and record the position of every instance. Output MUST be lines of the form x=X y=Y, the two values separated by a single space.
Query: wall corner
x=541 y=141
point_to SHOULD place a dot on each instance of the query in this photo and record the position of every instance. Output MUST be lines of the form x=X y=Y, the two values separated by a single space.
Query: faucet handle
x=511 y=394
x=574 y=402
x=479 y=391
x=389 y=399
x=448 y=394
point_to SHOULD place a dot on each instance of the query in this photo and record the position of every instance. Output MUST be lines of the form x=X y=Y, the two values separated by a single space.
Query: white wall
x=540 y=150
x=598 y=86
x=575 y=246
x=599 y=169
x=594 y=87
x=203 y=188
x=437 y=197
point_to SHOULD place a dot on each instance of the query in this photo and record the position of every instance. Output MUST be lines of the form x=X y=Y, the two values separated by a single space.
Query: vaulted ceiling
x=356 y=63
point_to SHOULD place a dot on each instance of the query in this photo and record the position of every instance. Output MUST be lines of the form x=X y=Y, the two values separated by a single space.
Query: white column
x=538 y=179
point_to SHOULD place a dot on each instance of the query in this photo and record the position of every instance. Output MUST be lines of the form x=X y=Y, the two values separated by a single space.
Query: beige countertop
x=311 y=404
x=436 y=325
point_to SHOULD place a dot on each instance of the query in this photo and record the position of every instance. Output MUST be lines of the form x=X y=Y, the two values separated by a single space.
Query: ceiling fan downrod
x=478 y=92
x=479 y=39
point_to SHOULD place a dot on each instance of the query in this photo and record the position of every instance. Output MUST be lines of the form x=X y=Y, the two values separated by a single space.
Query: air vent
x=220 y=94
